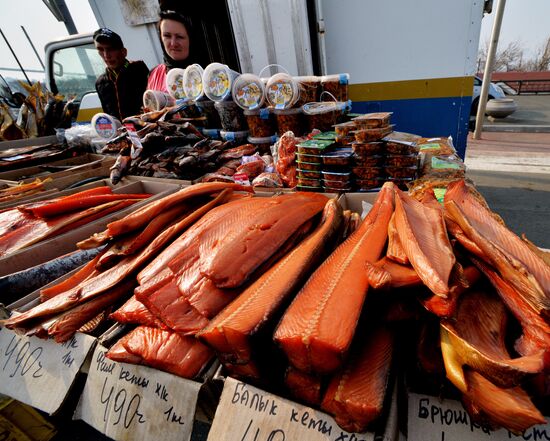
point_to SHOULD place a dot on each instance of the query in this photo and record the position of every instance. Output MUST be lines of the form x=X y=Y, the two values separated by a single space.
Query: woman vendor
x=177 y=40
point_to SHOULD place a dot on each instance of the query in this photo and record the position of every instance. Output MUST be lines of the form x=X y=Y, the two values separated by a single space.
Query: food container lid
x=327 y=174
x=264 y=139
x=232 y=136
x=308 y=79
x=320 y=144
x=344 y=152
x=373 y=116
x=217 y=80
x=327 y=136
x=342 y=78
x=248 y=91
x=315 y=164
x=192 y=82
x=325 y=107
x=104 y=125
x=174 y=83
x=282 y=91
x=402 y=137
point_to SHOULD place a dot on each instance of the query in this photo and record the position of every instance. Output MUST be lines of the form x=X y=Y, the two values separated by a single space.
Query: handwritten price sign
x=129 y=402
x=40 y=372
x=246 y=413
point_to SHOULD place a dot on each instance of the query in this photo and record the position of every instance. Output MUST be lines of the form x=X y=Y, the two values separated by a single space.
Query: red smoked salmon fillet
x=502 y=249
x=395 y=250
x=304 y=387
x=135 y=312
x=424 y=238
x=355 y=396
x=163 y=350
x=387 y=274
x=230 y=331
x=317 y=329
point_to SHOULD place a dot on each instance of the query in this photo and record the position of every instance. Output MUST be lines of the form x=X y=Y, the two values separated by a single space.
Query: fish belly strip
x=56 y=208
x=512 y=270
x=145 y=214
x=203 y=217
x=477 y=336
x=230 y=263
x=395 y=249
x=509 y=408
x=230 y=331
x=12 y=219
x=304 y=387
x=174 y=310
x=536 y=332
x=424 y=238
x=163 y=350
x=71 y=321
x=483 y=221
x=316 y=330
x=86 y=271
x=28 y=208
x=356 y=395
x=135 y=312
x=387 y=273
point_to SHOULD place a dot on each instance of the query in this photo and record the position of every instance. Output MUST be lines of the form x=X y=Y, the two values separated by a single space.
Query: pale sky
x=524 y=20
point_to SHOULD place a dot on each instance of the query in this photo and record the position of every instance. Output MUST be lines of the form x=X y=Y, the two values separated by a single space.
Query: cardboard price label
x=246 y=413
x=40 y=372
x=434 y=419
x=131 y=402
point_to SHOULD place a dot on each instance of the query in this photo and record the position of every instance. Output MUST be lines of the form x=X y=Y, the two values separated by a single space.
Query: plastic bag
x=80 y=135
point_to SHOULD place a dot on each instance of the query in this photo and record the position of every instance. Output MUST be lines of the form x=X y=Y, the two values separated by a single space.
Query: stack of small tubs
x=402 y=159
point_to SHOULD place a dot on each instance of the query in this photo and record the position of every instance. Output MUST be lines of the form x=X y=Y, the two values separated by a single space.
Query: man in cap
x=121 y=87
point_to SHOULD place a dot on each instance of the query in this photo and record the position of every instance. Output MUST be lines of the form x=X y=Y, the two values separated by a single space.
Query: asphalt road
x=510 y=166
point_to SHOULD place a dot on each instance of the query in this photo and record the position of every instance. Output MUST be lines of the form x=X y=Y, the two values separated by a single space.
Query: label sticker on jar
x=194 y=84
x=280 y=94
x=249 y=96
x=218 y=83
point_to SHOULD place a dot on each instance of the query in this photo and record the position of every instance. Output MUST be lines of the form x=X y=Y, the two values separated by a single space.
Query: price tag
x=434 y=419
x=131 y=402
x=40 y=372
x=246 y=413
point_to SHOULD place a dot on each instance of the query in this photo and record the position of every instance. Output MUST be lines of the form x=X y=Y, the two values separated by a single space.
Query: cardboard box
x=19 y=422
x=133 y=402
x=27 y=142
x=355 y=201
x=246 y=412
x=65 y=243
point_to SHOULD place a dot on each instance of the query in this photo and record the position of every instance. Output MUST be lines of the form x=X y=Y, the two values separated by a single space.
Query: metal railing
x=528 y=86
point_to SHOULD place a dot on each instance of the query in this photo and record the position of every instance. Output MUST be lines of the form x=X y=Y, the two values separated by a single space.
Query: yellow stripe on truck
x=412 y=89
x=86 y=115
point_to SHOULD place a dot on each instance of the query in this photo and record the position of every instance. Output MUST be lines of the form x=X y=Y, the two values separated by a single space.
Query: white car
x=494 y=92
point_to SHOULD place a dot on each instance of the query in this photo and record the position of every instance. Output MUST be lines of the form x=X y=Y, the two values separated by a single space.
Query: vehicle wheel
x=475 y=104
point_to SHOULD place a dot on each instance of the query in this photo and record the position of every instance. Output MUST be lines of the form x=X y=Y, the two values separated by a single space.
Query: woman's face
x=175 y=39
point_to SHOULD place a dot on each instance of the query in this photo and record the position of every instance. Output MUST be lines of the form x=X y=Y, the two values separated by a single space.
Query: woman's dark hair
x=196 y=51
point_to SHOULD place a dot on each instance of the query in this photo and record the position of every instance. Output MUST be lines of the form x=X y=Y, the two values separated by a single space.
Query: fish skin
x=355 y=396
x=16 y=285
x=230 y=331
x=502 y=249
x=311 y=337
x=509 y=408
x=163 y=350
x=477 y=333
x=230 y=260
x=424 y=238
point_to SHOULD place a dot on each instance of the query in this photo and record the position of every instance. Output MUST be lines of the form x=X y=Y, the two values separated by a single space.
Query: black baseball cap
x=104 y=35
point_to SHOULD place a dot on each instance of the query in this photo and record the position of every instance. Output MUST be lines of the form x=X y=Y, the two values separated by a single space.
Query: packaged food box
x=327 y=136
x=307 y=188
x=368 y=148
x=368 y=172
x=309 y=182
x=329 y=189
x=314 y=159
x=309 y=174
x=344 y=129
x=309 y=87
x=290 y=120
x=401 y=148
x=313 y=146
x=338 y=157
x=345 y=140
x=401 y=172
x=403 y=136
x=337 y=176
x=308 y=166
x=261 y=122
x=231 y=116
x=369 y=184
x=368 y=135
x=340 y=185
x=336 y=85
x=368 y=161
x=401 y=160
x=402 y=183
x=373 y=120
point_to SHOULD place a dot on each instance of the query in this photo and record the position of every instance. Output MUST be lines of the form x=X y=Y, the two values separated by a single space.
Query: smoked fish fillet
x=163 y=350
x=304 y=387
x=477 y=334
x=502 y=249
x=317 y=329
x=395 y=250
x=424 y=238
x=230 y=331
x=355 y=396
x=135 y=312
x=387 y=274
